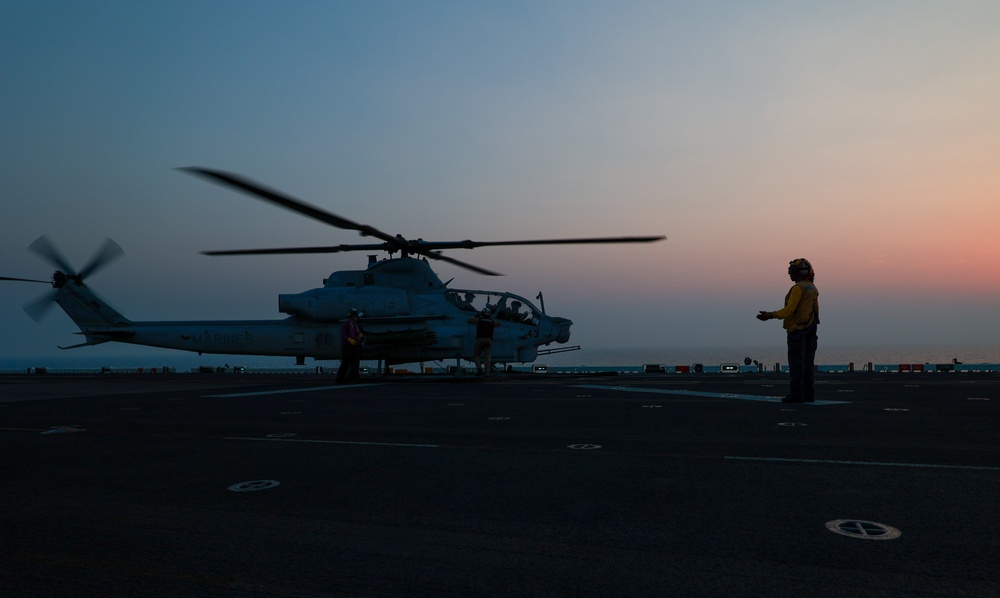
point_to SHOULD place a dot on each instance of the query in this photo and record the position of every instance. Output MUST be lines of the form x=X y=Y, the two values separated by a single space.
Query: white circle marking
x=254 y=485
x=864 y=530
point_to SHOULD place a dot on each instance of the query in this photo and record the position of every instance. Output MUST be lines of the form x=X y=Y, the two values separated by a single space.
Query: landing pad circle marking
x=863 y=530
x=791 y=424
x=254 y=485
x=583 y=447
x=282 y=435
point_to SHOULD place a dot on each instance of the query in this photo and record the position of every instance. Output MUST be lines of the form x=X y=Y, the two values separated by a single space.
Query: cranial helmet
x=800 y=269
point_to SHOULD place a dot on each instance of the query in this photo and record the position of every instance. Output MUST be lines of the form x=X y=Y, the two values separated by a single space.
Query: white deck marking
x=284 y=391
x=711 y=395
x=304 y=441
x=881 y=463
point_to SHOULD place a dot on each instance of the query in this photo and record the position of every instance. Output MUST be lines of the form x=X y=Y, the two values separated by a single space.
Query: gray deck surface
x=531 y=485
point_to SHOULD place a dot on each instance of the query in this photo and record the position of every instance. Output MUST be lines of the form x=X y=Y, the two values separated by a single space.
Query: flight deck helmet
x=800 y=269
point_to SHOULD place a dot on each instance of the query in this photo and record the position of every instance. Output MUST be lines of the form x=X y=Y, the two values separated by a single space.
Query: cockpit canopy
x=503 y=306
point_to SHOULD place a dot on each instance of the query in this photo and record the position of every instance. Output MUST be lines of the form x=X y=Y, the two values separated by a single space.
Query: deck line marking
x=304 y=441
x=713 y=395
x=881 y=463
x=282 y=391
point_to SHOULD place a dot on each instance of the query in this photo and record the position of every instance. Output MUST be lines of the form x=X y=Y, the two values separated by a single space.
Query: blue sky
x=862 y=135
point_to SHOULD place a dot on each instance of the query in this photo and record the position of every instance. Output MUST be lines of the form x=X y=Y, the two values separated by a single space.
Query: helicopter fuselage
x=409 y=316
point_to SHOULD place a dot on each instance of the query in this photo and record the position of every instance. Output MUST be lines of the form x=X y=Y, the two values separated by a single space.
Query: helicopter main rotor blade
x=467 y=244
x=296 y=205
x=429 y=247
x=437 y=256
x=392 y=243
x=303 y=250
x=23 y=279
x=44 y=248
x=342 y=248
x=108 y=252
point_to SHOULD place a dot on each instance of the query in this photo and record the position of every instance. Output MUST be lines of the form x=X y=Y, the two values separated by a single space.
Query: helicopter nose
x=560 y=326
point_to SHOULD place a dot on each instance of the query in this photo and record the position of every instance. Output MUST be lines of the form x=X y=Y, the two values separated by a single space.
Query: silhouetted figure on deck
x=800 y=318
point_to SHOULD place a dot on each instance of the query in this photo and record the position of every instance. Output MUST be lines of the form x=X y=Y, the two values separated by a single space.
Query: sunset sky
x=864 y=136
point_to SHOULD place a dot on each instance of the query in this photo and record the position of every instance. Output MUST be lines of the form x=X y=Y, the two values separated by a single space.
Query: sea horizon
x=768 y=355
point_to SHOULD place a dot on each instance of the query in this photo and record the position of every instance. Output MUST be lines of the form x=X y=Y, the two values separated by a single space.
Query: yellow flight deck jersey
x=801 y=307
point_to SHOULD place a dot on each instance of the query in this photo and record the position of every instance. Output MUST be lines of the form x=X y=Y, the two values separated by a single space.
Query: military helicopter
x=409 y=314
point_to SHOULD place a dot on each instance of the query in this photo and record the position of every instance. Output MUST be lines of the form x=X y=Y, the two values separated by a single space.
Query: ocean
x=768 y=355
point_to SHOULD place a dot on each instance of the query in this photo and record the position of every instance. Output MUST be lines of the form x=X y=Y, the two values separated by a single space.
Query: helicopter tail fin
x=86 y=309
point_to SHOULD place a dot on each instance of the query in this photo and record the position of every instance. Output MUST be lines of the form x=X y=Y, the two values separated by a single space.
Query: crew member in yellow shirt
x=800 y=317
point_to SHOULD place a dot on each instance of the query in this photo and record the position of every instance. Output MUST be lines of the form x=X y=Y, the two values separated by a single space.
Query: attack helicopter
x=408 y=314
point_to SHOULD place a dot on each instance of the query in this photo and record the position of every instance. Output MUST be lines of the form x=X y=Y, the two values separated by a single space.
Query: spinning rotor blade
x=108 y=252
x=437 y=256
x=341 y=248
x=581 y=241
x=261 y=192
x=430 y=248
x=23 y=279
x=391 y=243
x=301 y=250
x=37 y=309
x=44 y=248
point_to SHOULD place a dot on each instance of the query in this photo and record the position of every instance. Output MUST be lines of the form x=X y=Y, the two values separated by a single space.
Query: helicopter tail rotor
x=44 y=248
x=39 y=308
